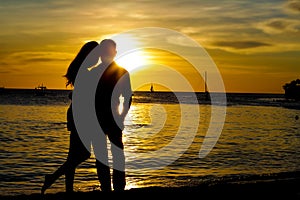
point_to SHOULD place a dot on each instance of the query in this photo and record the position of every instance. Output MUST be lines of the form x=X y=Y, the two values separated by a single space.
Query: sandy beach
x=283 y=189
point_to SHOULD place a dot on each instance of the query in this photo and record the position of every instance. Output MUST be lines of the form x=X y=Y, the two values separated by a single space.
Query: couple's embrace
x=113 y=84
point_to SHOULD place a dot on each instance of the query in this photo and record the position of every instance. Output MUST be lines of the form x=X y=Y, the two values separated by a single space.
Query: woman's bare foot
x=48 y=182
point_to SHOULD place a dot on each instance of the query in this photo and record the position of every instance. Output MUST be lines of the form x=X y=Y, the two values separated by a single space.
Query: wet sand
x=267 y=189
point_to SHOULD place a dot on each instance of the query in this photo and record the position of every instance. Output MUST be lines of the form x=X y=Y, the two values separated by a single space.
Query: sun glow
x=133 y=60
x=130 y=55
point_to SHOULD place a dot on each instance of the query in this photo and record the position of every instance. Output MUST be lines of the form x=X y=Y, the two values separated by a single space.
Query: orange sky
x=255 y=44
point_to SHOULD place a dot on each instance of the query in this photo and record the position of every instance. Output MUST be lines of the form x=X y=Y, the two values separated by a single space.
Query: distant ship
x=207 y=96
x=40 y=90
x=151 y=88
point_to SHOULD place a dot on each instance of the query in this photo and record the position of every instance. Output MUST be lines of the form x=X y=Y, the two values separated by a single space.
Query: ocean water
x=260 y=139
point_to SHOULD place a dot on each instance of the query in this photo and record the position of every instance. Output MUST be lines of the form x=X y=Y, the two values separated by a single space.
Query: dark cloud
x=294 y=6
x=279 y=25
x=5 y=68
x=2 y=63
x=44 y=59
x=5 y=71
x=38 y=56
x=241 y=44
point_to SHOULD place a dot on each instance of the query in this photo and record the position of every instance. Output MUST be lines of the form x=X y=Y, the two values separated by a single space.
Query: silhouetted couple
x=113 y=89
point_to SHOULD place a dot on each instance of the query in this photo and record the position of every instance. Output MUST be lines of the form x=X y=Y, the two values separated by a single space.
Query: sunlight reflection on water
x=255 y=140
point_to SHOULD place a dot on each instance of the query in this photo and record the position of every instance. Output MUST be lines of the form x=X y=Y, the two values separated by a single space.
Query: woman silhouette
x=77 y=151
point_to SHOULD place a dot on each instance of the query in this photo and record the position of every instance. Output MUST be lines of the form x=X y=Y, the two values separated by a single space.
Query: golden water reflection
x=254 y=140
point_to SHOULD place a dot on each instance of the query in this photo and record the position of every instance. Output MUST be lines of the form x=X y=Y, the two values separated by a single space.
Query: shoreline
x=284 y=188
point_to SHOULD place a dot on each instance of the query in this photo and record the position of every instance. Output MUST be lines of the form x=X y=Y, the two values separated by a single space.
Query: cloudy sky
x=254 y=43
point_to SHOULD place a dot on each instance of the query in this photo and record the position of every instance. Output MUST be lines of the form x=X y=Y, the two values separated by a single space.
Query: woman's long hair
x=78 y=60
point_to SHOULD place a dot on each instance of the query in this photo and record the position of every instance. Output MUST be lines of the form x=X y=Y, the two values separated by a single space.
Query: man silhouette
x=112 y=102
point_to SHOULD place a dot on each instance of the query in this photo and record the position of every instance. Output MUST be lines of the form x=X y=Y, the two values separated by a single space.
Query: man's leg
x=69 y=179
x=102 y=165
x=118 y=157
x=103 y=173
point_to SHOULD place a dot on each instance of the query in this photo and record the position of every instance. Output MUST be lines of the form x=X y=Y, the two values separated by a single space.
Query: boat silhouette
x=206 y=92
x=151 y=88
x=40 y=90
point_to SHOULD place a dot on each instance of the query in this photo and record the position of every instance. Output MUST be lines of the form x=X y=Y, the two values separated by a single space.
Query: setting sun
x=130 y=55
x=133 y=60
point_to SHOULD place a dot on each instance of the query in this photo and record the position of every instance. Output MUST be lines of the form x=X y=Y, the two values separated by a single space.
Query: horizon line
x=238 y=92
